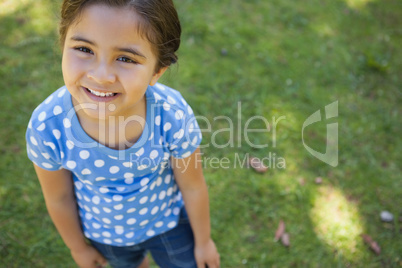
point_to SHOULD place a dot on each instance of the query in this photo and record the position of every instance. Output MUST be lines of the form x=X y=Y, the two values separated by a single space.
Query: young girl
x=115 y=152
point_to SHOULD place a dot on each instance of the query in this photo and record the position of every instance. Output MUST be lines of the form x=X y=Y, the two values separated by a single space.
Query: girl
x=115 y=152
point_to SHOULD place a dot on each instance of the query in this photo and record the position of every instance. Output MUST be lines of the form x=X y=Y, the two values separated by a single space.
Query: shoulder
x=45 y=128
x=168 y=101
x=51 y=110
x=174 y=119
x=49 y=120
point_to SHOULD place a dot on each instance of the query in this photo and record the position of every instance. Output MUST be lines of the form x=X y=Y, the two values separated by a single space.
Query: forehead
x=106 y=24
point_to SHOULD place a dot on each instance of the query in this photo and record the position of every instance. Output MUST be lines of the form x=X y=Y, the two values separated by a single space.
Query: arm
x=190 y=179
x=57 y=188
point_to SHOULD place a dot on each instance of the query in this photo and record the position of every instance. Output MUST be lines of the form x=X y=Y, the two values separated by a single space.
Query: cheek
x=71 y=67
x=130 y=76
x=65 y=66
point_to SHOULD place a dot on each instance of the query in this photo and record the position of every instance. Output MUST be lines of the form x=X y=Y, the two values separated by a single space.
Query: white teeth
x=101 y=94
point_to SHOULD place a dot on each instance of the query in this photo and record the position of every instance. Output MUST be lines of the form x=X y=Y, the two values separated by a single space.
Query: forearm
x=58 y=191
x=65 y=217
x=197 y=205
x=193 y=187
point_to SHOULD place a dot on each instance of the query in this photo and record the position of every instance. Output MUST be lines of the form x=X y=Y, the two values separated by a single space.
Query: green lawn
x=240 y=59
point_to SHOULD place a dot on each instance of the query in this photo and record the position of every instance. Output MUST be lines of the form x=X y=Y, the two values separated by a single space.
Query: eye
x=126 y=60
x=84 y=49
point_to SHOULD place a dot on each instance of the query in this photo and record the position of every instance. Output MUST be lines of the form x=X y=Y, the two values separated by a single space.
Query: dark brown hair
x=159 y=23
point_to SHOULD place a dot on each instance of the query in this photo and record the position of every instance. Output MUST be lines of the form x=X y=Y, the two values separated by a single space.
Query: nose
x=102 y=73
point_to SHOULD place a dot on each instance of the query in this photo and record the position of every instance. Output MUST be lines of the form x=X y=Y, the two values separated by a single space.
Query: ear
x=157 y=75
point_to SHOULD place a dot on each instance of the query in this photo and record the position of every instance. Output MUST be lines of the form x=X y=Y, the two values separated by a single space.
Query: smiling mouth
x=100 y=94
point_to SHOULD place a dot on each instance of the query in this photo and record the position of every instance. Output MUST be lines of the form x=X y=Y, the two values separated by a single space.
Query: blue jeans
x=173 y=249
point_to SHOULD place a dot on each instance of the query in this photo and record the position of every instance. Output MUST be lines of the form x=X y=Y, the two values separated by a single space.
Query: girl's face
x=106 y=64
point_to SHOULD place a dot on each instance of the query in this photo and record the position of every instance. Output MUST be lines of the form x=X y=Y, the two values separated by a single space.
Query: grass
x=277 y=58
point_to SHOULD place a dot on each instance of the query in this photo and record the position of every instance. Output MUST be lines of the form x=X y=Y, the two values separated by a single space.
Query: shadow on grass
x=295 y=81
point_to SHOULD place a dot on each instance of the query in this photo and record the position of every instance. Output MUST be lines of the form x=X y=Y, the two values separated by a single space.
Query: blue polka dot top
x=126 y=196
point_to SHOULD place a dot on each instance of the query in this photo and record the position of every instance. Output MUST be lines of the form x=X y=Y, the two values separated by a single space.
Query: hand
x=88 y=257
x=207 y=255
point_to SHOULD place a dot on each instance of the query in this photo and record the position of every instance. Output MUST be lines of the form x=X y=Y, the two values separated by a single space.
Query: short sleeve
x=186 y=137
x=42 y=152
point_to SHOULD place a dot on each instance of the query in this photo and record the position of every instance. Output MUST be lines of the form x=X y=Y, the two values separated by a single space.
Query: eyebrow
x=81 y=39
x=131 y=50
x=122 y=49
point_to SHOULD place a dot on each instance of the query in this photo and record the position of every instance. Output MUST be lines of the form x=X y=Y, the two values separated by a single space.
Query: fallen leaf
x=285 y=240
x=318 y=180
x=279 y=232
x=257 y=165
x=372 y=244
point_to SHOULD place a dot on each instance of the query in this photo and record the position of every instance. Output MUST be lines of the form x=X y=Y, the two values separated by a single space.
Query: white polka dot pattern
x=57 y=110
x=123 y=197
